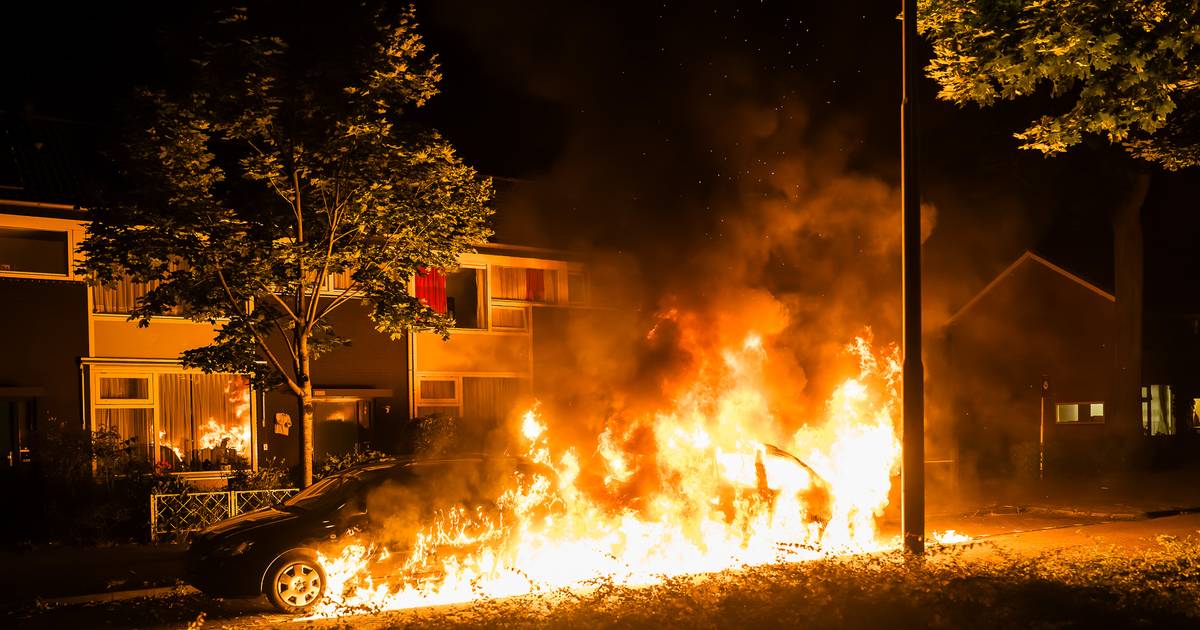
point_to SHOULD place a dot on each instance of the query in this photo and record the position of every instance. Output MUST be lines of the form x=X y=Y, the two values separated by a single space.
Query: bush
x=271 y=475
x=359 y=455
x=95 y=486
x=435 y=434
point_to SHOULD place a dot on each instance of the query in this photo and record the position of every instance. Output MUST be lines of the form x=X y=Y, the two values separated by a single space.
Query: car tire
x=295 y=582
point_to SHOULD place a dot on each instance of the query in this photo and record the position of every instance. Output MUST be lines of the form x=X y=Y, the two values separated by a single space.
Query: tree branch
x=261 y=342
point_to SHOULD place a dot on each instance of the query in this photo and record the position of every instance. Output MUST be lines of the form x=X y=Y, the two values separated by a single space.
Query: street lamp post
x=912 y=466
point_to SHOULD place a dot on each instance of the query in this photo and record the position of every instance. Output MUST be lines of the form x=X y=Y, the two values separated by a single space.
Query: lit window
x=508 y=317
x=204 y=421
x=438 y=390
x=1079 y=413
x=181 y=421
x=528 y=285
x=124 y=388
x=134 y=425
x=33 y=251
x=1158 y=413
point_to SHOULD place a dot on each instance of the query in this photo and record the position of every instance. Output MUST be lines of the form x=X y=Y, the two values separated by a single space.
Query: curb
x=1002 y=510
x=114 y=596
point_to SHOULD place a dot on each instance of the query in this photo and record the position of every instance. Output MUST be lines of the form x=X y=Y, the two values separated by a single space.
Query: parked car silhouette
x=273 y=551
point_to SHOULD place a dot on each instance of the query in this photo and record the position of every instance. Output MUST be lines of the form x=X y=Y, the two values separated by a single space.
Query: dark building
x=1022 y=374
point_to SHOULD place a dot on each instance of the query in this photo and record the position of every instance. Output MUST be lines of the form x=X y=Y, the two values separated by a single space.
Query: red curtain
x=535 y=285
x=431 y=287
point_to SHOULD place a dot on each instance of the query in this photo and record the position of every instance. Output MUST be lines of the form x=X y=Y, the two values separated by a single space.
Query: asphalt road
x=1025 y=534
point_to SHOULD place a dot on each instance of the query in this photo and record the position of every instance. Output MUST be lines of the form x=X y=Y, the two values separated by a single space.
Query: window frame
x=101 y=370
x=71 y=241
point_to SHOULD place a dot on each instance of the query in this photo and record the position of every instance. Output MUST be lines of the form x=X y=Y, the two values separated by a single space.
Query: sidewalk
x=1125 y=496
x=60 y=571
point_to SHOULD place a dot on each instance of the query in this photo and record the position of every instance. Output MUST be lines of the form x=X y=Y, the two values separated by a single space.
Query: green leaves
x=270 y=174
x=1123 y=71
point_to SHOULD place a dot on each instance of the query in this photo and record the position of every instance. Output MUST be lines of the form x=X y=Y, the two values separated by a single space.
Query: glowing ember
x=711 y=492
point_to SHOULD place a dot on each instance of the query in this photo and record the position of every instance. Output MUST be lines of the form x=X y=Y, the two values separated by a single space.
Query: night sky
x=649 y=127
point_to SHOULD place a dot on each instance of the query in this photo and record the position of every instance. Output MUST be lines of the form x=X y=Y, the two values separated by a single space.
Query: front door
x=16 y=429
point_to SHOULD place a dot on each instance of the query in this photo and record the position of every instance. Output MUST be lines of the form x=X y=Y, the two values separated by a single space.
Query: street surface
x=996 y=535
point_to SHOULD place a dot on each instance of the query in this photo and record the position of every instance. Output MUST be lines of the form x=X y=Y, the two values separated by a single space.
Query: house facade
x=1021 y=376
x=72 y=354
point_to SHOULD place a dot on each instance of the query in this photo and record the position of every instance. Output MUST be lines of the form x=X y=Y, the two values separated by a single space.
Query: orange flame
x=718 y=496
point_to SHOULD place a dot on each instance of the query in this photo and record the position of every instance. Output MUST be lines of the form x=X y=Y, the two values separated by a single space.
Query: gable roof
x=1029 y=257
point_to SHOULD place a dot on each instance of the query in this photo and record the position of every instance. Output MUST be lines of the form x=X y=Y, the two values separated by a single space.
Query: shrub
x=360 y=454
x=271 y=475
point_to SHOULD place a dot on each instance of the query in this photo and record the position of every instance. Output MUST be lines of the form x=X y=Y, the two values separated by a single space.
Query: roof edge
x=1025 y=257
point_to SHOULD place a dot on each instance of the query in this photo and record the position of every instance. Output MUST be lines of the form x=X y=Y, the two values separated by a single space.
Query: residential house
x=71 y=352
x=1021 y=376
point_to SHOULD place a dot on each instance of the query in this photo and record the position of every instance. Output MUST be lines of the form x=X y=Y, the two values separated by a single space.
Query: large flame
x=713 y=493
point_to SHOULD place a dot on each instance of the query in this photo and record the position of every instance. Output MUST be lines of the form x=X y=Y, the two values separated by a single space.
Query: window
x=33 y=251
x=340 y=281
x=456 y=294
x=125 y=388
x=576 y=288
x=119 y=297
x=1079 y=413
x=529 y=285
x=136 y=425
x=439 y=395
x=1158 y=414
x=463 y=301
x=204 y=420
x=431 y=289
x=181 y=421
x=508 y=317
x=438 y=390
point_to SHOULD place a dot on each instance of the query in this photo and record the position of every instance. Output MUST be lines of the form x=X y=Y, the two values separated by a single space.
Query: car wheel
x=295 y=582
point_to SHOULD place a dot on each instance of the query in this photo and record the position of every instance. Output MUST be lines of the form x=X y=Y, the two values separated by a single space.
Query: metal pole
x=1042 y=432
x=912 y=471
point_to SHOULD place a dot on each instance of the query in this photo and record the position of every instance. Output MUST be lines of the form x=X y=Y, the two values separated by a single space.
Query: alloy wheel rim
x=298 y=584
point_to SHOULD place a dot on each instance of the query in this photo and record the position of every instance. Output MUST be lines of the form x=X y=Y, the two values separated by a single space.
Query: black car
x=273 y=551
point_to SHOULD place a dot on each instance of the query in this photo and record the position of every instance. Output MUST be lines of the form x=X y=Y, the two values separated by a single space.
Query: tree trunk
x=1129 y=276
x=306 y=416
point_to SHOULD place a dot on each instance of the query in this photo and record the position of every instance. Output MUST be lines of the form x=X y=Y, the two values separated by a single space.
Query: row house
x=71 y=353
x=1021 y=377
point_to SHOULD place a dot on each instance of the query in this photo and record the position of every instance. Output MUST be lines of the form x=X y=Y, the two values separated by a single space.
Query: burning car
x=274 y=551
x=278 y=551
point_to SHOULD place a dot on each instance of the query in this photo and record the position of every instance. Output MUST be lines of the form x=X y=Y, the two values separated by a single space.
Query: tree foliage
x=1126 y=71
x=287 y=160
x=284 y=180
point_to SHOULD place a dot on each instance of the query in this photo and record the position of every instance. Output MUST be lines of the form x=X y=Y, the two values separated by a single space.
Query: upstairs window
x=576 y=288
x=528 y=285
x=457 y=294
x=33 y=251
x=464 y=298
x=431 y=289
